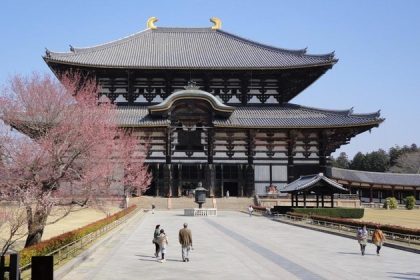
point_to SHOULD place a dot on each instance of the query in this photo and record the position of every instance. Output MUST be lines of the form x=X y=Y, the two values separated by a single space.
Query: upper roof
x=285 y=116
x=187 y=48
x=307 y=182
x=378 y=178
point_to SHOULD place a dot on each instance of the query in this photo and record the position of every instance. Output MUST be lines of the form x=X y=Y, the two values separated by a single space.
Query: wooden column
x=322 y=152
x=304 y=199
x=179 y=179
x=332 y=200
x=317 y=200
x=370 y=194
x=292 y=199
x=322 y=200
x=210 y=175
x=290 y=155
x=249 y=173
x=167 y=180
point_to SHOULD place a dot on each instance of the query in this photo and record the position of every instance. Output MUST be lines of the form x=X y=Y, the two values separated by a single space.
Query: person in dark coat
x=155 y=240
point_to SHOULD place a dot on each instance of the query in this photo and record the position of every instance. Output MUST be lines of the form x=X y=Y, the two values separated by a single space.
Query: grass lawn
x=407 y=218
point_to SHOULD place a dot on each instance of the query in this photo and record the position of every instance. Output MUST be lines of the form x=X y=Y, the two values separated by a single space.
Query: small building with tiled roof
x=215 y=107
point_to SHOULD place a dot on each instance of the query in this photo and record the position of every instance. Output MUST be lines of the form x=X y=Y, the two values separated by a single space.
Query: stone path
x=235 y=246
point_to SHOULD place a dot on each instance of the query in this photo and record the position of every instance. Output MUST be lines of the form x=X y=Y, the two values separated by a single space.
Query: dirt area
x=74 y=220
x=407 y=218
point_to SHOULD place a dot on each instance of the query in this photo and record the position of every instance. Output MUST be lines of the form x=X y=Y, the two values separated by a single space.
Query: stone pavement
x=235 y=246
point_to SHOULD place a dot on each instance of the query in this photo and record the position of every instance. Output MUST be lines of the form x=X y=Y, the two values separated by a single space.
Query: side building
x=215 y=107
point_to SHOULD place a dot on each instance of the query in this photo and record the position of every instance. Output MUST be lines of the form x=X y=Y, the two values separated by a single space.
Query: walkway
x=235 y=246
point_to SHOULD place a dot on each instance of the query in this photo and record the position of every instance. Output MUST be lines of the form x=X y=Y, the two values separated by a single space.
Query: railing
x=351 y=230
x=346 y=196
x=71 y=249
x=200 y=212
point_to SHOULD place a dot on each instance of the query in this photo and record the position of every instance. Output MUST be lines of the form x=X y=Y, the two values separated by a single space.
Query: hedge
x=354 y=213
x=370 y=225
x=50 y=245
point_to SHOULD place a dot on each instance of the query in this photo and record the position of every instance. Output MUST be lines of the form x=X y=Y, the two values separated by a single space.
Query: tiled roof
x=192 y=48
x=308 y=181
x=393 y=179
x=285 y=116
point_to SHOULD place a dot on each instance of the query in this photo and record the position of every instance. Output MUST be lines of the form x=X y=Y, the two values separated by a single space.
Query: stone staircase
x=162 y=203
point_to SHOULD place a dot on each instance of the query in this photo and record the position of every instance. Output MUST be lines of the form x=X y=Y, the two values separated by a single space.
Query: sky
x=377 y=43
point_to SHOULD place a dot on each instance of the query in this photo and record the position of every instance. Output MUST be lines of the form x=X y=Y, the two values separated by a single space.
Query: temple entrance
x=232 y=187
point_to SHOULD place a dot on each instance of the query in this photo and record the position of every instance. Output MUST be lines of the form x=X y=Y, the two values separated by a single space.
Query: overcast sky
x=377 y=44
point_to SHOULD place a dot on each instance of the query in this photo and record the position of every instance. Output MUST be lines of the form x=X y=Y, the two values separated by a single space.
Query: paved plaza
x=236 y=246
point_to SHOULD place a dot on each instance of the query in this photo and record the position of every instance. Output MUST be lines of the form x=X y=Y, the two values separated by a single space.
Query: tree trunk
x=36 y=224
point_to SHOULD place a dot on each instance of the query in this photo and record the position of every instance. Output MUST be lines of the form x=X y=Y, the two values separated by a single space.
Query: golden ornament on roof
x=217 y=23
x=151 y=23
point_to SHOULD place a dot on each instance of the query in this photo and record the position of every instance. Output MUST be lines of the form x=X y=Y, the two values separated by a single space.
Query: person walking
x=185 y=239
x=378 y=238
x=163 y=242
x=362 y=236
x=250 y=210
x=155 y=240
x=153 y=209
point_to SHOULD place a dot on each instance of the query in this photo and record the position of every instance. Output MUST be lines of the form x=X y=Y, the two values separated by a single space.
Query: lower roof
x=285 y=116
x=375 y=178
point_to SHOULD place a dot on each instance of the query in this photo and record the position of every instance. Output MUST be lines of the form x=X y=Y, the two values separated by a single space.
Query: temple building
x=215 y=107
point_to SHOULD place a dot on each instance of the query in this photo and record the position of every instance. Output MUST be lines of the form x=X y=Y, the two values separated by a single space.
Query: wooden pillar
x=322 y=200
x=249 y=185
x=332 y=200
x=304 y=199
x=221 y=180
x=210 y=175
x=156 y=179
x=180 y=180
x=322 y=144
x=317 y=200
x=167 y=180
x=240 y=180
x=393 y=191
x=371 y=194
x=292 y=199
x=290 y=154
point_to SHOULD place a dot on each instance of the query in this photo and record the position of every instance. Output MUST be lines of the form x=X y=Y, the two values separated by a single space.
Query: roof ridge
x=93 y=48
x=373 y=172
x=348 y=112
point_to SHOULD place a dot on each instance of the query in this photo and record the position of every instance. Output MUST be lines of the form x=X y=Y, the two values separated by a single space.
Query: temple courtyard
x=235 y=246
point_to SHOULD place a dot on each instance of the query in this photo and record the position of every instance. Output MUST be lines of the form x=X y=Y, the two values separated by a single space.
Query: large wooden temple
x=215 y=107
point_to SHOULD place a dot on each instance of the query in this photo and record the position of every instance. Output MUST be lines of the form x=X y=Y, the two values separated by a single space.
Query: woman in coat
x=378 y=238
x=362 y=236
x=163 y=242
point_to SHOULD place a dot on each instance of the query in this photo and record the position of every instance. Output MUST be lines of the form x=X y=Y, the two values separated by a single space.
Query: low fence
x=351 y=230
x=72 y=249
x=200 y=212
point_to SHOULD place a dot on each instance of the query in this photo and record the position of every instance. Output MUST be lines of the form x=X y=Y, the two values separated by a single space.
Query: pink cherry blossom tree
x=69 y=150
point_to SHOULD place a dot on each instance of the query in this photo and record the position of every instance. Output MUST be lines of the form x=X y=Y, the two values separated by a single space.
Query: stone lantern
x=200 y=195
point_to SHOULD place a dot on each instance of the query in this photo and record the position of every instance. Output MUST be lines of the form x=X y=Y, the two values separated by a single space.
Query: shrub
x=354 y=213
x=47 y=246
x=390 y=203
x=410 y=201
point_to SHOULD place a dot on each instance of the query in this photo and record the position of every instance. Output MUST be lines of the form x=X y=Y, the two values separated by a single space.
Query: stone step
x=231 y=203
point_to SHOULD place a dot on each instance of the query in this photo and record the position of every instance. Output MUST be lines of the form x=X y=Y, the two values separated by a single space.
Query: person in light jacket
x=163 y=242
x=362 y=236
x=378 y=238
